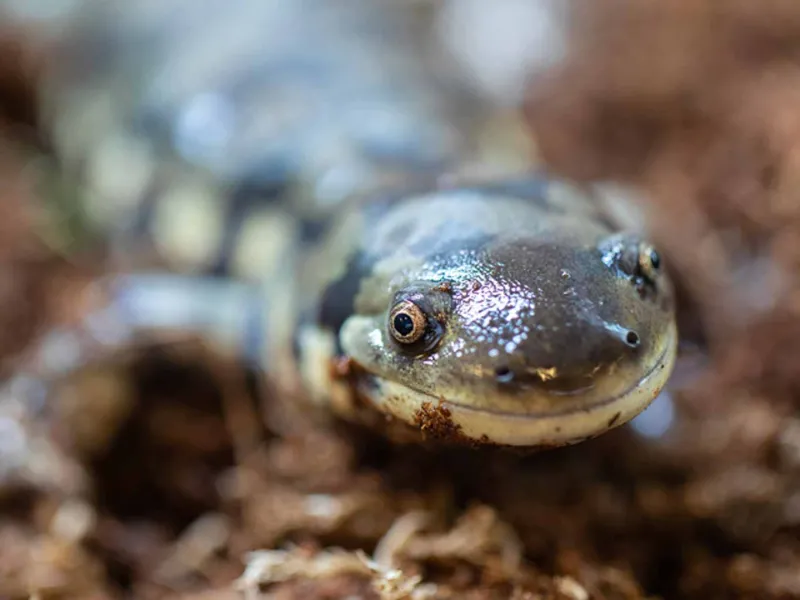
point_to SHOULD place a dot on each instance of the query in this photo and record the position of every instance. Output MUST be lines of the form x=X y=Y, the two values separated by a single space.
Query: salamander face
x=529 y=326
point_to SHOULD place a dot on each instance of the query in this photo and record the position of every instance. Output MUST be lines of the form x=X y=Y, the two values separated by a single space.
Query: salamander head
x=540 y=339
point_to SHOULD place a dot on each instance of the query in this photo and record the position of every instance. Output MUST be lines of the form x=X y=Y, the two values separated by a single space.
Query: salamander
x=510 y=310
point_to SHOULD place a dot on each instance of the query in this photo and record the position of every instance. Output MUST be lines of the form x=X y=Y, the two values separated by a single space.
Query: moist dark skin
x=528 y=306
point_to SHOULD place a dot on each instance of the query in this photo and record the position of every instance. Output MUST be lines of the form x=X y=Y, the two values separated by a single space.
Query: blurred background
x=149 y=154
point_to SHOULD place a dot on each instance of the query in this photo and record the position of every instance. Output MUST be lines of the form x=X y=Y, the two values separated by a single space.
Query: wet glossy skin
x=542 y=325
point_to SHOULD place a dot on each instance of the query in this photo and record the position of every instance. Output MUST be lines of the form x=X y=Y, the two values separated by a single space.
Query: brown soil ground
x=153 y=473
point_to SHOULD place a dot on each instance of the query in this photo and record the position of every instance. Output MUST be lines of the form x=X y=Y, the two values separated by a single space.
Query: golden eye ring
x=407 y=322
x=649 y=261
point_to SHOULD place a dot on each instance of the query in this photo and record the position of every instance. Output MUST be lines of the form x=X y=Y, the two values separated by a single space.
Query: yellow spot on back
x=188 y=225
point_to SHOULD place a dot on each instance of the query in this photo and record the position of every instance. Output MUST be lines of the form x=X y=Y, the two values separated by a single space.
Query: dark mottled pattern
x=270 y=115
x=337 y=303
x=312 y=231
x=243 y=201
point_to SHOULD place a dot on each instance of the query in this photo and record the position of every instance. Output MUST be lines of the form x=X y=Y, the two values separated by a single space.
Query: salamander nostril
x=632 y=339
x=503 y=374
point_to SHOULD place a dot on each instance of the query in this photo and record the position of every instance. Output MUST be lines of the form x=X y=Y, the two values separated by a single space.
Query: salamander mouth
x=542 y=428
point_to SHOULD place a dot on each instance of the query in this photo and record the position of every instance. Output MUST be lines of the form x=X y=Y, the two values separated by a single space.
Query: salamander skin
x=512 y=312
x=538 y=323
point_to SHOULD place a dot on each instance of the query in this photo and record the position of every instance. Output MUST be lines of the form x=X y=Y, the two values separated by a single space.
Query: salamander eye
x=649 y=261
x=407 y=322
